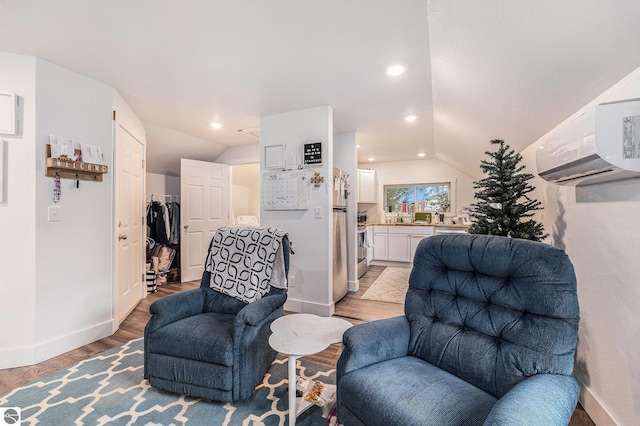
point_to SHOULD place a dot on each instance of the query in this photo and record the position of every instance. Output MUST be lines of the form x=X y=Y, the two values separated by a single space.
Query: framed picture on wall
x=1 y=171
x=8 y=114
x=274 y=157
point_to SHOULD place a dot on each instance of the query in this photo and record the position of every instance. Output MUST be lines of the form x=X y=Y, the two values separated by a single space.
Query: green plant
x=503 y=206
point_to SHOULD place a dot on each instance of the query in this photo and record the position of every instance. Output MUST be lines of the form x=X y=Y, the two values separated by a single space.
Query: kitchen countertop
x=415 y=224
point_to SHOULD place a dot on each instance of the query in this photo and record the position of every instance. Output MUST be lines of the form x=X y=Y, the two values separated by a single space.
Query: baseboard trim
x=302 y=306
x=354 y=285
x=32 y=354
x=391 y=263
x=17 y=357
x=62 y=344
x=594 y=408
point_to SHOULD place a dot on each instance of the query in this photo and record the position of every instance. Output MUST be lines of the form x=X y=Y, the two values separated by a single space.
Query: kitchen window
x=427 y=197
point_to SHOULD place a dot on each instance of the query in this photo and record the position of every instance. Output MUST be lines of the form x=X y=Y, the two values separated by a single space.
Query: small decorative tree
x=504 y=207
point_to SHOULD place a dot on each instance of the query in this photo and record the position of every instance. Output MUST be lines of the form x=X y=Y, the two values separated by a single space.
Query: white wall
x=240 y=200
x=245 y=196
x=57 y=276
x=244 y=154
x=245 y=200
x=598 y=227
x=74 y=256
x=162 y=184
x=311 y=267
x=17 y=219
x=245 y=189
x=421 y=171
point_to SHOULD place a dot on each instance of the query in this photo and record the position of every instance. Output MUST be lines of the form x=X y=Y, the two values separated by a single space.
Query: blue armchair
x=488 y=337
x=207 y=344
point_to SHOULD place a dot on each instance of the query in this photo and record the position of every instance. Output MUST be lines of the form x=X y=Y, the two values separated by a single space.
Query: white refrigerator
x=340 y=278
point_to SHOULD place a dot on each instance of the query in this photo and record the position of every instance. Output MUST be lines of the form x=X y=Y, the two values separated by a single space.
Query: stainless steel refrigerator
x=340 y=278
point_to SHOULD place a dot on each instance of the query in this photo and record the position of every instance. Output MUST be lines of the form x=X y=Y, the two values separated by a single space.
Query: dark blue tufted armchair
x=206 y=344
x=488 y=337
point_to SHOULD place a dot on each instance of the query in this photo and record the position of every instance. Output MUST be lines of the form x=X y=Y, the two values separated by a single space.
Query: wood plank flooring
x=351 y=308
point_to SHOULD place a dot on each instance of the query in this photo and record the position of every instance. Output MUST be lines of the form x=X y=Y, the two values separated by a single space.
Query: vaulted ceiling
x=475 y=69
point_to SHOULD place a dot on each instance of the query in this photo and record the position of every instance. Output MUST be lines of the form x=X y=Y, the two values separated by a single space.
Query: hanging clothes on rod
x=157 y=219
x=163 y=218
x=163 y=229
x=173 y=208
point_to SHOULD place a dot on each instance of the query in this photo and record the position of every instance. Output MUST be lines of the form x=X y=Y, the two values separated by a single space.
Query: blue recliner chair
x=488 y=337
x=204 y=343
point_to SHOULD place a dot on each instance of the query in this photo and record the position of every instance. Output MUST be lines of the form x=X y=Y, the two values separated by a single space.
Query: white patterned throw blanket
x=245 y=262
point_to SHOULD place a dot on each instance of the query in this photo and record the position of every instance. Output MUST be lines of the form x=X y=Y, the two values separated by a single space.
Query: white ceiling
x=476 y=69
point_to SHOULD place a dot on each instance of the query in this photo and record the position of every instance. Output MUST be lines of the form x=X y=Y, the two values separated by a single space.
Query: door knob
x=122 y=237
x=186 y=227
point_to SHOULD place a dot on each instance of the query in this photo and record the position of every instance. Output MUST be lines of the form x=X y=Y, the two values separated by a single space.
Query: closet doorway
x=245 y=194
x=243 y=203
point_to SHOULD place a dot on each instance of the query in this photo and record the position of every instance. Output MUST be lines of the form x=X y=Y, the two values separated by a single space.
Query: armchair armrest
x=175 y=307
x=543 y=399
x=251 y=348
x=373 y=342
x=256 y=312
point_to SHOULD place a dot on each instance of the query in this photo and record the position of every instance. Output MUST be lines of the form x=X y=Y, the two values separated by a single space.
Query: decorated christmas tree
x=503 y=207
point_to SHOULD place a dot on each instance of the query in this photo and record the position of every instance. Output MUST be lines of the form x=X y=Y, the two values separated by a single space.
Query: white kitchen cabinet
x=398 y=247
x=414 y=240
x=397 y=242
x=370 y=249
x=380 y=243
x=417 y=235
x=366 y=186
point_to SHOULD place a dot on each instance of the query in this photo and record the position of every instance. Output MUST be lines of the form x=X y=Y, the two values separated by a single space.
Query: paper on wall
x=62 y=147
x=91 y=154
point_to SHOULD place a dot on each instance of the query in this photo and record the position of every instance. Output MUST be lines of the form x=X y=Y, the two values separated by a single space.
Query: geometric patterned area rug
x=390 y=286
x=109 y=389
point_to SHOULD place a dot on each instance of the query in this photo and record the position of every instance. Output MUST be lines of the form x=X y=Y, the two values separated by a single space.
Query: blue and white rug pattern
x=109 y=389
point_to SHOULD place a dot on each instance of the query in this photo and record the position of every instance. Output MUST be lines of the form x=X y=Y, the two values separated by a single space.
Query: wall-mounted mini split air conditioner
x=601 y=145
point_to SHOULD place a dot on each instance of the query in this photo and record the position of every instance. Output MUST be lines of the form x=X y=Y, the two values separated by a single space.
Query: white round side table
x=298 y=335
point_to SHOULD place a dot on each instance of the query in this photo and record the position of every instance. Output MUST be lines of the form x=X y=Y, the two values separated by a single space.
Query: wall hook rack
x=66 y=168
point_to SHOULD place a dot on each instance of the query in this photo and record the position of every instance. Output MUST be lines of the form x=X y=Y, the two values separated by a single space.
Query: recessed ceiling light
x=410 y=118
x=422 y=154
x=395 y=70
x=358 y=146
x=216 y=125
x=371 y=159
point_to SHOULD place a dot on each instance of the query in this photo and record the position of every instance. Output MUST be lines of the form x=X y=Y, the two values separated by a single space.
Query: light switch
x=318 y=212
x=54 y=213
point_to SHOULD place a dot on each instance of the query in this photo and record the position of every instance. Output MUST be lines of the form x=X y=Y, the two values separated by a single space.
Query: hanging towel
x=245 y=262
x=368 y=239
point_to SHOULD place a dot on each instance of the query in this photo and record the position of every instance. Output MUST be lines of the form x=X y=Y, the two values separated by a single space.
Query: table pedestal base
x=293 y=407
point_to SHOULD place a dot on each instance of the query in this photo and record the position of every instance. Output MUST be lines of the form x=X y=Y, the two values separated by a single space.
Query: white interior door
x=129 y=226
x=204 y=195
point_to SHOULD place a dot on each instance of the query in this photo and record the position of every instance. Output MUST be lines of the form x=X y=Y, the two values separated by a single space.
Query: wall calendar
x=287 y=190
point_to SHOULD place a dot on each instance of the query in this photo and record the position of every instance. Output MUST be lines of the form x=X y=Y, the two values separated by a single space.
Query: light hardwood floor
x=352 y=308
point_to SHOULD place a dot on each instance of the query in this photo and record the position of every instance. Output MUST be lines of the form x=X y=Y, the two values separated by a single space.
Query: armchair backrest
x=222 y=303
x=492 y=310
